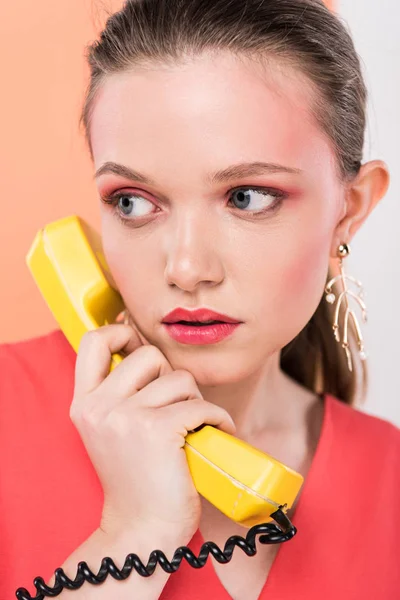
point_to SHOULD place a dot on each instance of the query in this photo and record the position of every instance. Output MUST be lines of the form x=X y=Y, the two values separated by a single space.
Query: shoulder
x=28 y=347
x=368 y=443
x=361 y=424
x=34 y=368
x=35 y=353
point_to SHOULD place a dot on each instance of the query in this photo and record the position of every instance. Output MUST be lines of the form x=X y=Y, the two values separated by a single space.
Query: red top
x=348 y=516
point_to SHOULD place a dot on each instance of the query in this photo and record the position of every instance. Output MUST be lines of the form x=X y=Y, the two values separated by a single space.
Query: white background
x=374 y=25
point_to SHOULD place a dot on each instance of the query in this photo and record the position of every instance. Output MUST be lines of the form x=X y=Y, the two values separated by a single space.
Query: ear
x=362 y=194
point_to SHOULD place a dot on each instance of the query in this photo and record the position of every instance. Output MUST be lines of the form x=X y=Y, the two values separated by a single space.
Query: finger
x=135 y=372
x=186 y=416
x=94 y=354
x=142 y=385
x=137 y=340
x=177 y=386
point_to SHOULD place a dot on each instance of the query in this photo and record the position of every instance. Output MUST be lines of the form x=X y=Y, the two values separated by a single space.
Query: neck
x=268 y=401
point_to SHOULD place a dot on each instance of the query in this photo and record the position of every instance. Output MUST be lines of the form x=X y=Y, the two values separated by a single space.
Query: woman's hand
x=133 y=422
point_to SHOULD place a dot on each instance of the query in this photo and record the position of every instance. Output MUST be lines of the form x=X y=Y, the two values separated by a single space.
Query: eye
x=131 y=205
x=258 y=199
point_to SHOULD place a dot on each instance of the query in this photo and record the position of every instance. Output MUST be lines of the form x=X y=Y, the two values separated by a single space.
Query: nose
x=193 y=251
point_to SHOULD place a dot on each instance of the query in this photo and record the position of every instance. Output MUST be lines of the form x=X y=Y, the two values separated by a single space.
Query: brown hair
x=304 y=34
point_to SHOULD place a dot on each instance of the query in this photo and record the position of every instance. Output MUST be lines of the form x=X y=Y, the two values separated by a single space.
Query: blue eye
x=259 y=197
x=129 y=202
x=130 y=207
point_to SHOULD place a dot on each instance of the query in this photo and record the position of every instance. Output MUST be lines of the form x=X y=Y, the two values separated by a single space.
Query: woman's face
x=191 y=239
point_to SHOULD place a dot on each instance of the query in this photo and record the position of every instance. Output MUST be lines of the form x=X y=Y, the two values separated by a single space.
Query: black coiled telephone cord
x=269 y=534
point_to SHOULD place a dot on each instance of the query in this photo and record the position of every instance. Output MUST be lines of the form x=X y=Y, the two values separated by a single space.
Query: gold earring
x=342 y=252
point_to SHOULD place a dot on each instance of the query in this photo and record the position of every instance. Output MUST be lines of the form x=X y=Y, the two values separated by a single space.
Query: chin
x=213 y=371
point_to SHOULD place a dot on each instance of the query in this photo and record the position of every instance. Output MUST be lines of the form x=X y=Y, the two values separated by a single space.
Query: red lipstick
x=190 y=327
x=198 y=315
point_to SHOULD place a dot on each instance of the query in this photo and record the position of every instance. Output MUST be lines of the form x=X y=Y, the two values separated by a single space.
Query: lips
x=199 y=315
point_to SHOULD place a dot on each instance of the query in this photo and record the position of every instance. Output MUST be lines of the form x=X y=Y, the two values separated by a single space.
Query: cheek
x=288 y=286
x=308 y=264
x=128 y=270
x=306 y=258
x=301 y=284
x=136 y=287
x=131 y=278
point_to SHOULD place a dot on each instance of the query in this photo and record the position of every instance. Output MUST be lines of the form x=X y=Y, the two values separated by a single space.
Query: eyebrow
x=232 y=172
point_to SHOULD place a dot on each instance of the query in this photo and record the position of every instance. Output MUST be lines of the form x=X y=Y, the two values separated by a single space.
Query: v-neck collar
x=305 y=518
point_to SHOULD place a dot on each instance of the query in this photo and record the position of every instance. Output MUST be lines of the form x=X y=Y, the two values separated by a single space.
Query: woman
x=227 y=143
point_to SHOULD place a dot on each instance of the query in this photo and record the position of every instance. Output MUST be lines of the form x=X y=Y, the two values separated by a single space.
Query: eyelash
x=113 y=199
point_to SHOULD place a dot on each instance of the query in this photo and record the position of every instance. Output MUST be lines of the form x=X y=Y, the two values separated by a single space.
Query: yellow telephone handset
x=67 y=262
